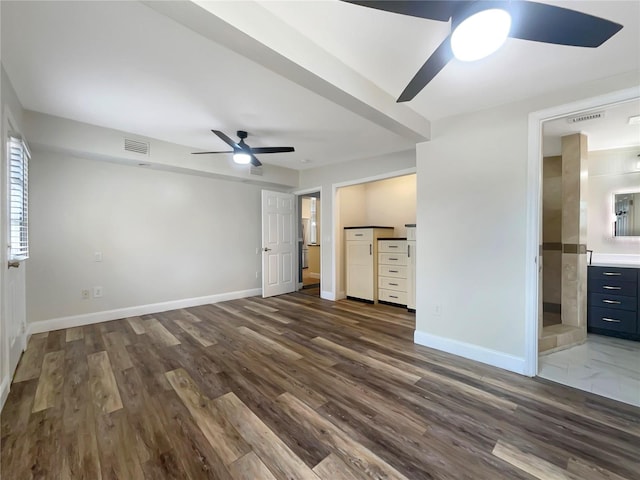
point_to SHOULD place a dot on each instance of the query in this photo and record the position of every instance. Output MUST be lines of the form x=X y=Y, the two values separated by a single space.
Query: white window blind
x=18 y=199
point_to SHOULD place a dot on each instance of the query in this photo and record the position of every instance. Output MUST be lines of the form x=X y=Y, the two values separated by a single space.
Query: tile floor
x=606 y=366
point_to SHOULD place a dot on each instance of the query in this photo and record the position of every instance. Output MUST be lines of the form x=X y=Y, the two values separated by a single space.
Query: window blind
x=18 y=199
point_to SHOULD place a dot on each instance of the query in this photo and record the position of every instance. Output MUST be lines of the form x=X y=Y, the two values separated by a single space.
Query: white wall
x=472 y=198
x=610 y=172
x=330 y=175
x=163 y=236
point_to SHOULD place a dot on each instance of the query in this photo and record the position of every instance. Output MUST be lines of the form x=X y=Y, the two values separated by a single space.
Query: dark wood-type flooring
x=294 y=387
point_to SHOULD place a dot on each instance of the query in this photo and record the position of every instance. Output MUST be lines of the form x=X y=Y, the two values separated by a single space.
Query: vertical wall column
x=551 y=240
x=574 y=230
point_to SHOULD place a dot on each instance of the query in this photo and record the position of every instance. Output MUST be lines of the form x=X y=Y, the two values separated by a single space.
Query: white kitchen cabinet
x=392 y=270
x=361 y=261
x=411 y=267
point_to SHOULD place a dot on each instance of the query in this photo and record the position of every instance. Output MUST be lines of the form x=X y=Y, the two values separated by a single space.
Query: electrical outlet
x=97 y=292
x=437 y=309
x=85 y=294
x=257 y=274
x=97 y=256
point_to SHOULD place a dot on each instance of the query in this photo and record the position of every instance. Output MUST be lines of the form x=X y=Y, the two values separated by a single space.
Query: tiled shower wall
x=552 y=235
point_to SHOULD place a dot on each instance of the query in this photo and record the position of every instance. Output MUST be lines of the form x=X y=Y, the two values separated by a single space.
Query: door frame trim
x=534 y=205
x=299 y=193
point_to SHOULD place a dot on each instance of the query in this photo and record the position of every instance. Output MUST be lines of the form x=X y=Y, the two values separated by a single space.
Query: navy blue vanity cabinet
x=613 y=295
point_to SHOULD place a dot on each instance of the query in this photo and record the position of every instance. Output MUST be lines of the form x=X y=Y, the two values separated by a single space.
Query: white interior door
x=13 y=278
x=278 y=243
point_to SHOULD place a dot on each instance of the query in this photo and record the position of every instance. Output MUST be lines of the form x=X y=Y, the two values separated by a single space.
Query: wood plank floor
x=294 y=387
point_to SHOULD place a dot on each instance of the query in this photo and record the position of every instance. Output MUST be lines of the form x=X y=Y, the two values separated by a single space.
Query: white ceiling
x=123 y=65
x=608 y=132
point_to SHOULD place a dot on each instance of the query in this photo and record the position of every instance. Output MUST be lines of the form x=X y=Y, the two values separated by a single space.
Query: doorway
x=575 y=347
x=309 y=235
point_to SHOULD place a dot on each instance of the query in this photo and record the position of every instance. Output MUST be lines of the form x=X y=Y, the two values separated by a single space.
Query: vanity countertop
x=366 y=226
x=409 y=224
x=613 y=265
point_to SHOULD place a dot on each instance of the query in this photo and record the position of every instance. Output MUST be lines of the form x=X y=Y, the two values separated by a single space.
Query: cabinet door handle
x=394 y=284
x=358 y=235
x=393 y=246
x=614 y=302
x=409 y=251
x=612 y=274
x=393 y=271
x=370 y=249
x=393 y=296
x=607 y=287
x=393 y=259
x=611 y=320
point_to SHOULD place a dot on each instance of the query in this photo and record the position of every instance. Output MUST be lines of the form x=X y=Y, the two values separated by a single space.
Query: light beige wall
x=392 y=203
x=610 y=171
x=163 y=236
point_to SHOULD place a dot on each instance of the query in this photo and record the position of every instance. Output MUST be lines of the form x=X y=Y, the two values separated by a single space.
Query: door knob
x=13 y=264
x=266 y=249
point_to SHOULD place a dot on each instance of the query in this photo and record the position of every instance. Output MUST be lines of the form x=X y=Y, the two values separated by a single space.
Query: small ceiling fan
x=479 y=28
x=243 y=153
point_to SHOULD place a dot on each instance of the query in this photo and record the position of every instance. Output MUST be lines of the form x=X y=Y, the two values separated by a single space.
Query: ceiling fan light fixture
x=480 y=34
x=241 y=158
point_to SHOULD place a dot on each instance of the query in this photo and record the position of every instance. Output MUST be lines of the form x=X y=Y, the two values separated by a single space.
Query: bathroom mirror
x=626 y=208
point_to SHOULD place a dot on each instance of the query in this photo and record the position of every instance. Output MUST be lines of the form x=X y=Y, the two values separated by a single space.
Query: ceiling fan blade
x=433 y=10
x=226 y=139
x=436 y=62
x=255 y=162
x=550 y=24
x=207 y=153
x=272 y=149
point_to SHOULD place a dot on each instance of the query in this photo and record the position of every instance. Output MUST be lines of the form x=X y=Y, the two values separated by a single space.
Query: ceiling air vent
x=136 y=147
x=256 y=170
x=586 y=116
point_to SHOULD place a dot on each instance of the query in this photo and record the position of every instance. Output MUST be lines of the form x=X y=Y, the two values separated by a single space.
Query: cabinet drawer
x=392 y=258
x=618 y=320
x=392 y=271
x=392 y=296
x=613 y=273
x=617 y=302
x=392 y=246
x=613 y=287
x=389 y=283
x=360 y=234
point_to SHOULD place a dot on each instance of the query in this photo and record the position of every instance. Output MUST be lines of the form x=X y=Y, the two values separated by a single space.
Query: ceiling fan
x=479 y=28
x=243 y=153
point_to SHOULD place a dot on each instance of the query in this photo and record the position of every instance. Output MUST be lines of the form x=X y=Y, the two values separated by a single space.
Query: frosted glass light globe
x=241 y=158
x=481 y=34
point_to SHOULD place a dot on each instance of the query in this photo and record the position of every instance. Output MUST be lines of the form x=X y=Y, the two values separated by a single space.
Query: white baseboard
x=327 y=295
x=108 y=315
x=470 y=351
x=341 y=295
x=4 y=391
x=314 y=275
x=615 y=259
